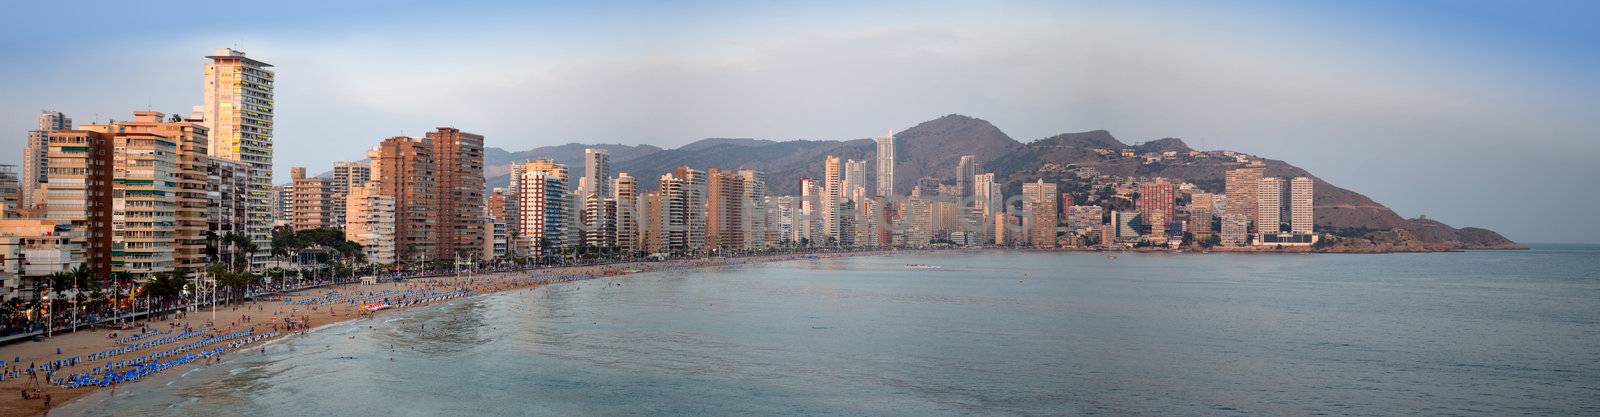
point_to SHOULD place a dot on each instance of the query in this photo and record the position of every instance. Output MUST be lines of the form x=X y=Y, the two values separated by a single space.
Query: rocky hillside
x=932 y=148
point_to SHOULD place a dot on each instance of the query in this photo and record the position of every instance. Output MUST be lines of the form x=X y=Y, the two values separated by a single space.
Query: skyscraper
x=855 y=180
x=984 y=191
x=625 y=189
x=1240 y=187
x=651 y=217
x=886 y=165
x=1039 y=201
x=831 y=198
x=404 y=169
x=1156 y=204
x=238 y=113
x=1269 y=205
x=966 y=170
x=597 y=171
x=542 y=204
x=36 y=158
x=725 y=193
x=917 y=221
x=756 y=229
x=459 y=179
x=808 y=229
x=683 y=204
x=1301 y=217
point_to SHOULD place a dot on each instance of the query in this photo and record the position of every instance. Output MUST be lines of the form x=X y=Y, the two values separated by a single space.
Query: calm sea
x=1472 y=333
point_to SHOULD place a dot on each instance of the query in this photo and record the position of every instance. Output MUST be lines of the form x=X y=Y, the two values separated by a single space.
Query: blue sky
x=1473 y=113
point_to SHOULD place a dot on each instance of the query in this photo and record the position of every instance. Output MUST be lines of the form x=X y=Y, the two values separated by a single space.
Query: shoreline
x=84 y=342
x=469 y=286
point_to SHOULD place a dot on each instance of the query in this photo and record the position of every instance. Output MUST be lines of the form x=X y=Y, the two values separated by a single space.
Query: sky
x=1472 y=113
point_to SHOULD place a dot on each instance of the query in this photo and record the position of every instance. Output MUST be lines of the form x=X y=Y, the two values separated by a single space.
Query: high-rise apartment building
x=832 y=196
x=281 y=200
x=625 y=190
x=189 y=197
x=1082 y=218
x=369 y=222
x=725 y=210
x=1039 y=201
x=36 y=159
x=459 y=181
x=756 y=229
x=808 y=229
x=917 y=222
x=513 y=191
x=683 y=201
x=1156 y=202
x=238 y=114
x=227 y=212
x=651 y=223
x=1201 y=210
x=495 y=205
x=313 y=201
x=854 y=185
x=886 y=165
x=783 y=214
x=404 y=169
x=599 y=221
x=346 y=175
x=541 y=201
x=1301 y=217
x=1240 y=188
x=985 y=194
x=1235 y=229
x=597 y=171
x=1269 y=205
x=966 y=170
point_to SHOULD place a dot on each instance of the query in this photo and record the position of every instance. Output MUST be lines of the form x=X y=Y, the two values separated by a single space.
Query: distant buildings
x=1039 y=201
x=1156 y=205
x=1300 y=206
x=596 y=172
x=683 y=202
x=36 y=159
x=886 y=165
x=1269 y=205
x=966 y=171
x=1241 y=187
x=1235 y=229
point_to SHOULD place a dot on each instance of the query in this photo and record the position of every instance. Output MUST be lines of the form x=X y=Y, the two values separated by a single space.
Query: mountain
x=932 y=149
x=497 y=162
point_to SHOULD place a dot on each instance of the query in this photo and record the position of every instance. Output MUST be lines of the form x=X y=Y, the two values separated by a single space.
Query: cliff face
x=932 y=149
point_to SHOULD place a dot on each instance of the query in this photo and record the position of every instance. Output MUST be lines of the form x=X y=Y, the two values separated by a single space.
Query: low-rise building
x=30 y=251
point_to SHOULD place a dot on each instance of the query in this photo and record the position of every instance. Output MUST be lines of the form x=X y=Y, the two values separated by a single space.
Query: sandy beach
x=270 y=320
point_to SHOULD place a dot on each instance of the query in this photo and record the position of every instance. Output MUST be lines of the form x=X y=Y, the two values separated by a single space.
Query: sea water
x=970 y=333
